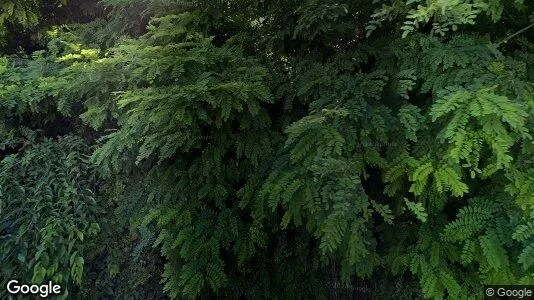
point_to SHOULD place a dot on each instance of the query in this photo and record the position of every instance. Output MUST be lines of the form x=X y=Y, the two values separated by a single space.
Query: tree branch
x=515 y=34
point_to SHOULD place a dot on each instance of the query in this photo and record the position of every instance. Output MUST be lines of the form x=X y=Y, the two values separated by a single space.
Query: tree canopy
x=267 y=149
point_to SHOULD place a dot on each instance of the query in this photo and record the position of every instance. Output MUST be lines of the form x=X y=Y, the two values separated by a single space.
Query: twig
x=513 y=35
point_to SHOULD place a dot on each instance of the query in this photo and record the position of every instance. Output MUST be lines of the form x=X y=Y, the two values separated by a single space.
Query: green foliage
x=417 y=209
x=23 y=13
x=445 y=16
x=259 y=149
x=183 y=121
x=48 y=212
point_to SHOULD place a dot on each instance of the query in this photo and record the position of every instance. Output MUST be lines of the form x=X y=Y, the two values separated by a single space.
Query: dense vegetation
x=267 y=149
